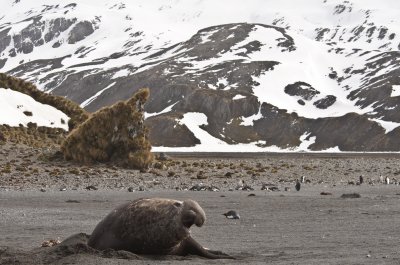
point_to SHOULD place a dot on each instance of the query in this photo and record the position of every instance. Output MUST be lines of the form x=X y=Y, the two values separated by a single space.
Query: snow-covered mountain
x=224 y=75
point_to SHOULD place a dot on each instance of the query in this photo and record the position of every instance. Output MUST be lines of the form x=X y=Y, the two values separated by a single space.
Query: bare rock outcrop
x=113 y=134
x=80 y=31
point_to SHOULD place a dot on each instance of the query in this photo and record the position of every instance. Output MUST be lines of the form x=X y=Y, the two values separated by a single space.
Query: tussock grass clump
x=113 y=134
x=74 y=111
x=6 y=169
x=33 y=135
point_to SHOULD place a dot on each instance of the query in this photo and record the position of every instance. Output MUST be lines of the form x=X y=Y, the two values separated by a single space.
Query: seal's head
x=192 y=213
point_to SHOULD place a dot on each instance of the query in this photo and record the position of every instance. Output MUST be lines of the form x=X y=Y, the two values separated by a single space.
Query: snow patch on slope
x=395 y=91
x=299 y=65
x=249 y=121
x=387 y=125
x=90 y=100
x=166 y=110
x=305 y=143
x=14 y=104
x=121 y=73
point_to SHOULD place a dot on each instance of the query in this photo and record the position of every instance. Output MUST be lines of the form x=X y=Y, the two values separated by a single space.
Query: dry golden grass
x=32 y=135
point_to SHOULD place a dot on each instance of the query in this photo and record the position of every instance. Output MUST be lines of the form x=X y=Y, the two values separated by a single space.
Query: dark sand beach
x=276 y=227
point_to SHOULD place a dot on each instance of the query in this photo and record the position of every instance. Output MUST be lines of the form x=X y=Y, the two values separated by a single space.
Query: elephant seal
x=153 y=226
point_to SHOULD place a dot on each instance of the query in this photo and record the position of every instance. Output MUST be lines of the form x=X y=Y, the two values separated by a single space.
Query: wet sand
x=275 y=227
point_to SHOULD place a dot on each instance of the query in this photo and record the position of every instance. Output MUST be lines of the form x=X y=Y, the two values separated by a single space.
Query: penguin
x=231 y=215
x=303 y=178
x=298 y=185
x=361 y=179
x=387 y=180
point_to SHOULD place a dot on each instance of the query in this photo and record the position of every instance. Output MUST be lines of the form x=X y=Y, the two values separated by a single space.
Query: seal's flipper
x=219 y=253
x=190 y=246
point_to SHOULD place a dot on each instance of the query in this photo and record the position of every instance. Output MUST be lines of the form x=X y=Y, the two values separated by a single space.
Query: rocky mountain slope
x=225 y=76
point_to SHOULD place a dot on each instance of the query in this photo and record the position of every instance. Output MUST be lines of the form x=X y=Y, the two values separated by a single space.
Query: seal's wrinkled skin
x=153 y=227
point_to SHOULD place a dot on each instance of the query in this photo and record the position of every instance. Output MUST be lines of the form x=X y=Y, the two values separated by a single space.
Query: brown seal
x=153 y=226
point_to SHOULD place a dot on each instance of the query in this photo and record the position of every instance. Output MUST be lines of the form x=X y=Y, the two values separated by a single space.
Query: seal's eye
x=188 y=218
x=178 y=204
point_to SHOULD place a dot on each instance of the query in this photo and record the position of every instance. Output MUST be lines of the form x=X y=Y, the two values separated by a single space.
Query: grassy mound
x=113 y=134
